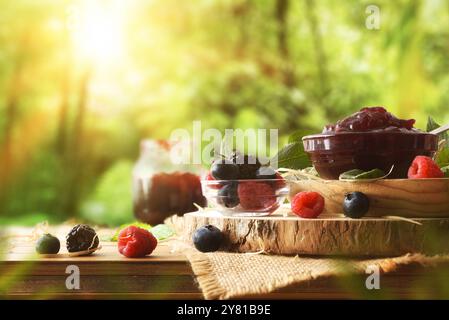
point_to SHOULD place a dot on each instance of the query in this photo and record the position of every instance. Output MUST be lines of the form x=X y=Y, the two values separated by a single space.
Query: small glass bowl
x=256 y=197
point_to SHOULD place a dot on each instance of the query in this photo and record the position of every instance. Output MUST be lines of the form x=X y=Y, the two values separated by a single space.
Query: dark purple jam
x=371 y=119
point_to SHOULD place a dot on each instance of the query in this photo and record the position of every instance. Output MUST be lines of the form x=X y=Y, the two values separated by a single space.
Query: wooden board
x=399 y=197
x=326 y=235
x=167 y=275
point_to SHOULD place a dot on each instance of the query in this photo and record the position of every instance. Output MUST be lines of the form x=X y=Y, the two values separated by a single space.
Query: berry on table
x=48 y=244
x=224 y=170
x=135 y=242
x=307 y=204
x=255 y=195
x=424 y=167
x=355 y=205
x=81 y=238
x=227 y=195
x=208 y=238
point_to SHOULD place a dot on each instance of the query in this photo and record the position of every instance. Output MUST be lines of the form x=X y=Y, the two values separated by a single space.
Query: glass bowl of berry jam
x=241 y=186
x=369 y=139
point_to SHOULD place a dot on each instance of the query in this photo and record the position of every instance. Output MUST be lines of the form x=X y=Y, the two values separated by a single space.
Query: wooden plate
x=411 y=198
x=326 y=235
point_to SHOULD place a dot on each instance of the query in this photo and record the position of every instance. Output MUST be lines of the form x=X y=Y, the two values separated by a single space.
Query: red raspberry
x=135 y=242
x=209 y=177
x=424 y=167
x=307 y=204
x=280 y=182
x=256 y=195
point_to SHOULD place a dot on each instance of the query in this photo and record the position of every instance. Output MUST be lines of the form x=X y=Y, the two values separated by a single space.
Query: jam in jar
x=161 y=188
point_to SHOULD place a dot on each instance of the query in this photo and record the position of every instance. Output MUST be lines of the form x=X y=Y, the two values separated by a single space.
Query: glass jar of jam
x=162 y=188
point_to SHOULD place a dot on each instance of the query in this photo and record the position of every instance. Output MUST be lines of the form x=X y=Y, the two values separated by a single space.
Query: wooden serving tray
x=411 y=198
x=326 y=235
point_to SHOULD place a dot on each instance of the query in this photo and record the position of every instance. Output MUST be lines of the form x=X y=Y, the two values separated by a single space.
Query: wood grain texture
x=400 y=197
x=326 y=235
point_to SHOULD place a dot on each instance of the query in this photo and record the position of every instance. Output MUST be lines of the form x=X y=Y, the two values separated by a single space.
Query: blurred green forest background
x=83 y=81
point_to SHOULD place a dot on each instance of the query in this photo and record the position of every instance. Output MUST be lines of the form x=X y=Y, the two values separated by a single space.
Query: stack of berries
x=242 y=181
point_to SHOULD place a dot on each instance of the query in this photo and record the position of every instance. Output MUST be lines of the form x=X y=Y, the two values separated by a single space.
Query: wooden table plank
x=166 y=274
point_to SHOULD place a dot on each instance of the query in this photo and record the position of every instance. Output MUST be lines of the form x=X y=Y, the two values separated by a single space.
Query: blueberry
x=48 y=244
x=224 y=170
x=228 y=196
x=355 y=205
x=208 y=238
x=266 y=173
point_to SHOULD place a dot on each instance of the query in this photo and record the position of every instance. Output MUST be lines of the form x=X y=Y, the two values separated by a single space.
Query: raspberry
x=280 y=182
x=211 y=185
x=135 y=242
x=308 y=204
x=424 y=167
x=256 y=195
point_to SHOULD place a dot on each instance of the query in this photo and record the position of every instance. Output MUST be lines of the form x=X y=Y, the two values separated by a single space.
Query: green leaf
x=297 y=136
x=291 y=156
x=357 y=174
x=351 y=174
x=431 y=124
x=442 y=157
x=312 y=171
x=123 y=226
x=162 y=232
x=445 y=171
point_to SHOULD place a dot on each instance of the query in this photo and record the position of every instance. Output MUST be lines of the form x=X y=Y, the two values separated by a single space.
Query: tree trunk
x=281 y=14
x=320 y=56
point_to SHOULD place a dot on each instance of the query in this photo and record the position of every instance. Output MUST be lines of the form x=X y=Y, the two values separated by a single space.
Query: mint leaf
x=297 y=135
x=445 y=171
x=442 y=158
x=431 y=124
x=162 y=232
x=291 y=156
x=123 y=226
x=357 y=174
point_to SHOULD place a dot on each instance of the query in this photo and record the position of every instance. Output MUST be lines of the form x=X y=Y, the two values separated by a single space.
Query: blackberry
x=81 y=238
x=247 y=164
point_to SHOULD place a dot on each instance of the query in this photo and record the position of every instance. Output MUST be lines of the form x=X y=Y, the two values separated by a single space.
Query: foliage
x=73 y=108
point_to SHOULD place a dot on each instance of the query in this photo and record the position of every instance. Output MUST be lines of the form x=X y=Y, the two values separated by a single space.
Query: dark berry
x=224 y=170
x=307 y=204
x=135 y=242
x=81 y=238
x=48 y=244
x=207 y=238
x=355 y=205
x=266 y=173
x=227 y=195
x=247 y=164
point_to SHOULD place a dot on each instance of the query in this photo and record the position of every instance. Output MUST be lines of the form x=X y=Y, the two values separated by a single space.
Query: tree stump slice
x=410 y=198
x=324 y=236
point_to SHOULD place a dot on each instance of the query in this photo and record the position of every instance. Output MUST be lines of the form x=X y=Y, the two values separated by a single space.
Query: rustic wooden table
x=167 y=275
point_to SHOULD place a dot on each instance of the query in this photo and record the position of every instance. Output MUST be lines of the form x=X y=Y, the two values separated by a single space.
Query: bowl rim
x=241 y=180
x=330 y=135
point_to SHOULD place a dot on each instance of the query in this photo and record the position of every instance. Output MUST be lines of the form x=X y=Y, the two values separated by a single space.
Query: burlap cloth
x=223 y=275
